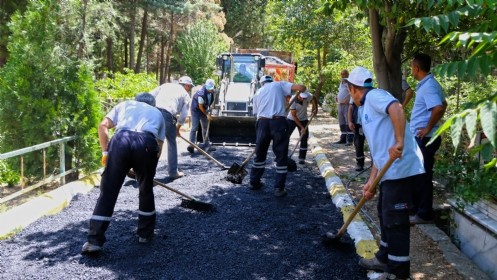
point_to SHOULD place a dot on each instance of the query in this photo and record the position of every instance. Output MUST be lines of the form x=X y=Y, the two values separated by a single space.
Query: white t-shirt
x=173 y=98
x=379 y=132
x=269 y=100
x=138 y=116
x=301 y=108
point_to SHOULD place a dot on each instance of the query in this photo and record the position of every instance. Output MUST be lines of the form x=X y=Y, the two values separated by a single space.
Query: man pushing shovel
x=384 y=125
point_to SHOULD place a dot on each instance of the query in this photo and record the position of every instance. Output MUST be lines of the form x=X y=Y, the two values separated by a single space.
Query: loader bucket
x=232 y=130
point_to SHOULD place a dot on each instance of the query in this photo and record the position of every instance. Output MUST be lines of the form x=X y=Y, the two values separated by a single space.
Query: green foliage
x=464 y=176
x=477 y=37
x=246 y=22
x=344 y=37
x=197 y=47
x=116 y=87
x=46 y=93
x=7 y=175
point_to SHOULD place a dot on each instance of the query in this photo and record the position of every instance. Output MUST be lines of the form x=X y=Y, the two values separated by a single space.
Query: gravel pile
x=251 y=235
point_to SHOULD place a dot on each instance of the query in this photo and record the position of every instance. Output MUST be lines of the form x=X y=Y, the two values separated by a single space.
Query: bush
x=7 y=175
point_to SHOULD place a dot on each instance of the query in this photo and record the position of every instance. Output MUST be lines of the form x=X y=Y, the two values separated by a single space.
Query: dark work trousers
x=359 y=144
x=423 y=199
x=303 y=142
x=127 y=149
x=275 y=129
x=346 y=136
x=394 y=202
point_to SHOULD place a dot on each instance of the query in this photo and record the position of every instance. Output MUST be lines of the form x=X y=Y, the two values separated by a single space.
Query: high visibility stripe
x=143 y=213
x=399 y=258
x=383 y=243
x=281 y=169
x=260 y=164
x=303 y=149
x=360 y=157
x=100 y=218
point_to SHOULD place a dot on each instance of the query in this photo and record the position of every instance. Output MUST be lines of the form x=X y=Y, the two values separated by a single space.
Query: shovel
x=292 y=165
x=236 y=173
x=190 y=202
x=204 y=153
x=332 y=237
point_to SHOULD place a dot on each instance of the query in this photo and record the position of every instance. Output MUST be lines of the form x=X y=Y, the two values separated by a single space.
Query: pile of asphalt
x=251 y=235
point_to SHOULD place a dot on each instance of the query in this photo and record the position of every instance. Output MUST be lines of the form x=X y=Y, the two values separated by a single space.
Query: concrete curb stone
x=364 y=240
x=15 y=219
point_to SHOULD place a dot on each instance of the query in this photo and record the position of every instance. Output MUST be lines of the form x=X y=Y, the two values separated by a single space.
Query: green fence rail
x=62 y=162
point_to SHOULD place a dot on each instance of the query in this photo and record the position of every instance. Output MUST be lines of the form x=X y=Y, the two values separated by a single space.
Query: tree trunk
x=142 y=41
x=387 y=48
x=321 y=63
x=81 y=43
x=125 y=52
x=169 y=48
x=132 y=35
x=110 y=63
x=161 y=61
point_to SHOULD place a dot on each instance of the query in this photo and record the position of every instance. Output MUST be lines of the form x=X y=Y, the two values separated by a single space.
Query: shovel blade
x=234 y=169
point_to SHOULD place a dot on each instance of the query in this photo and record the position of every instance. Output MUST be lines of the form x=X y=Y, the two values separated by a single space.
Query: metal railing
x=62 y=165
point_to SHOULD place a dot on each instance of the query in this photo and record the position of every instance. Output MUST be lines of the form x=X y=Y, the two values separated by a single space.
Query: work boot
x=342 y=140
x=348 y=144
x=144 y=240
x=372 y=264
x=279 y=192
x=177 y=175
x=190 y=149
x=255 y=186
x=89 y=248
x=301 y=161
x=210 y=148
x=415 y=219
x=359 y=167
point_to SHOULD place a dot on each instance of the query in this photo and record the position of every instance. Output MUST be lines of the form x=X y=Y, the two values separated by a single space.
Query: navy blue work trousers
x=394 y=203
x=275 y=129
x=127 y=149
x=303 y=142
x=423 y=196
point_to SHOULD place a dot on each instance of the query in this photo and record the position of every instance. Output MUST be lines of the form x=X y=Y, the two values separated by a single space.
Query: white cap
x=209 y=84
x=359 y=76
x=304 y=94
x=185 y=80
x=265 y=79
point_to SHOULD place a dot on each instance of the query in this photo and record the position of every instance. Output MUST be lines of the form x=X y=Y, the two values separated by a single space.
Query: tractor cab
x=239 y=75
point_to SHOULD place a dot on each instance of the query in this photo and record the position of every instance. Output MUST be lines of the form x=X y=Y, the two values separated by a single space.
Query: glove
x=104 y=158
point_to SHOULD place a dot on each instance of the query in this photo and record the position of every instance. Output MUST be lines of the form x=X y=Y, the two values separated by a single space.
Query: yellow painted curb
x=365 y=243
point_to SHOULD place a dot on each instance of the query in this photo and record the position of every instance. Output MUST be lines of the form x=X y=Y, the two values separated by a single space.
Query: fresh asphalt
x=251 y=235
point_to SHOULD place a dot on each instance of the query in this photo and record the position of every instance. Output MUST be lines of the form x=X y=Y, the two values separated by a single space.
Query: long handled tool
x=292 y=165
x=236 y=173
x=190 y=202
x=333 y=237
x=204 y=153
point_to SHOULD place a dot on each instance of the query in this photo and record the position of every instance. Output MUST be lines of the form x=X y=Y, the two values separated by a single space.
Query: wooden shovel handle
x=302 y=134
x=203 y=152
x=363 y=200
